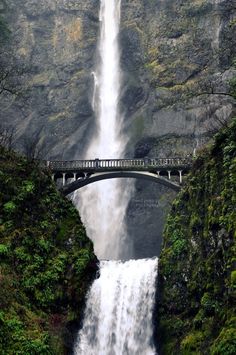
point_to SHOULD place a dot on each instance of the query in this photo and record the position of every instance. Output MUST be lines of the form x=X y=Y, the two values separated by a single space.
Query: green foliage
x=45 y=260
x=191 y=343
x=208 y=303
x=28 y=187
x=178 y=247
x=197 y=266
x=83 y=260
x=233 y=278
x=3 y=250
x=9 y=207
x=225 y=344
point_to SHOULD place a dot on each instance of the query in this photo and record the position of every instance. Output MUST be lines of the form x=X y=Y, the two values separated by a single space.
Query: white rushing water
x=119 y=309
x=119 y=306
x=103 y=205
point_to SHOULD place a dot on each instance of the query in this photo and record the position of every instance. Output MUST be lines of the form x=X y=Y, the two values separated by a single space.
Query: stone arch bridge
x=73 y=175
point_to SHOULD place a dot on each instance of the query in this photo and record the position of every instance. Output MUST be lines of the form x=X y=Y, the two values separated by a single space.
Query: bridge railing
x=101 y=164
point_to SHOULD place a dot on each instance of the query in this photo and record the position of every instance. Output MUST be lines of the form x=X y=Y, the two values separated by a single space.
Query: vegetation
x=46 y=261
x=197 y=277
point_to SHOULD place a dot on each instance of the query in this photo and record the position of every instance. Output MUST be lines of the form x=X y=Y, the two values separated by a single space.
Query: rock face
x=56 y=40
x=197 y=276
x=177 y=57
x=177 y=60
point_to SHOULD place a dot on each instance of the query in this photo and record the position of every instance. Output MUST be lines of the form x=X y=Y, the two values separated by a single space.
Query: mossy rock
x=46 y=261
x=197 y=264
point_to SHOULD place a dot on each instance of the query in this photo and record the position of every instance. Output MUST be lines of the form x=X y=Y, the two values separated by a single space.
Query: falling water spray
x=119 y=310
x=103 y=205
x=119 y=306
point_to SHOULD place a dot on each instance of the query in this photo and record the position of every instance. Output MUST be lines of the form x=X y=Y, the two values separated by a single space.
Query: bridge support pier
x=74 y=174
x=63 y=179
x=180 y=176
x=169 y=174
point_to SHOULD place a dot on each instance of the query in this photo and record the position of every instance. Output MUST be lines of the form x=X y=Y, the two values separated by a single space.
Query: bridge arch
x=73 y=186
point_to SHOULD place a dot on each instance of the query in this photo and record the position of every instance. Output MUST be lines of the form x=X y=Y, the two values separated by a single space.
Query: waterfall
x=118 y=314
x=119 y=307
x=103 y=205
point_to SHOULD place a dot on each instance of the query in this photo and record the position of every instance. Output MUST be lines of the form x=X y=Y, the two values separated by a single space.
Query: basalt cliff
x=177 y=59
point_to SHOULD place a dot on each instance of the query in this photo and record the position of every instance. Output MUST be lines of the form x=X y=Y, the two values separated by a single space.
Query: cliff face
x=55 y=41
x=46 y=262
x=177 y=61
x=196 y=303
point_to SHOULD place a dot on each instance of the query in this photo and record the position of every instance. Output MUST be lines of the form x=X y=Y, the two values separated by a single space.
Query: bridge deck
x=119 y=164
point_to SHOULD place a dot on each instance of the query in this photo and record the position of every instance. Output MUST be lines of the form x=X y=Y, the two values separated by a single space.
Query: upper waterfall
x=103 y=205
x=109 y=141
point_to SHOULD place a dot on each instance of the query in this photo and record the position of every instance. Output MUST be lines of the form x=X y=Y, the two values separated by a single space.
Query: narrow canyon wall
x=177 y=61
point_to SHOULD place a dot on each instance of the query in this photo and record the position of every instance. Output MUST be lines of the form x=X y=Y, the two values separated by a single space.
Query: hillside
x=46 y=262
x=197 y=277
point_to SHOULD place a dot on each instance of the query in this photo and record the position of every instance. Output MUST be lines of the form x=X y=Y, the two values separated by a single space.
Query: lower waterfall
x=119 y=310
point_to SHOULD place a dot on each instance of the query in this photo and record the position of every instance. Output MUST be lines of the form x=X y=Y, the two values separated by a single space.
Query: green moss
x=197 y=265
x=46 y=261
x=9 y=207
x=225 y=344
x=191 y=343
x=233 y=278
x=4 y=250
x=208 y=303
